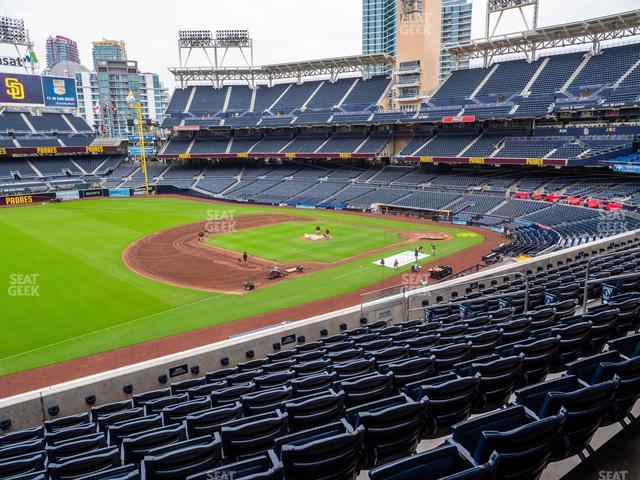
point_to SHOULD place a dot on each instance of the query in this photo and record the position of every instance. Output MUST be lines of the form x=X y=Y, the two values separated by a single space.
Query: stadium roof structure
x=592 y=31
x=308 y=68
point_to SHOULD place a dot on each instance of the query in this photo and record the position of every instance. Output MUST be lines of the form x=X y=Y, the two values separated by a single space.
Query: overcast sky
x=283 y=30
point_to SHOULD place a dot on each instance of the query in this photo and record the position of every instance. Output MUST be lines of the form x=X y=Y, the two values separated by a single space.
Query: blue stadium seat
x=250 y=436
x=585 y=407
x=208 y=422
x=393 y=427
x=182 y=459
x=450 y=400
x=523 y=442
x=446 y=462
x=314 y=410
x=262 y=467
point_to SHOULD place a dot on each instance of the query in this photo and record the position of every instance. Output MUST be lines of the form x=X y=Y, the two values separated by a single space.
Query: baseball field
x=91 y=276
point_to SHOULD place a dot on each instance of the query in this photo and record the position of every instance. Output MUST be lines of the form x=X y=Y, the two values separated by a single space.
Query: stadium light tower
x=219 y=45
x=137 y=108
x=12 y=32
x=527 y=8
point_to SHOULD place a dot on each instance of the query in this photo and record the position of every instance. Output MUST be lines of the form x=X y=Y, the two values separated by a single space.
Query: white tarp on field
x=404 y=258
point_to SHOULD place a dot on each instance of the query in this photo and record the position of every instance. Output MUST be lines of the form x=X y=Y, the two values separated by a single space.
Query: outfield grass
x=88 y=301
x=284 y=242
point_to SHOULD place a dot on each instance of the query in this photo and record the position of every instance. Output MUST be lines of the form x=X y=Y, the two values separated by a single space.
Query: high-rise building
x=102 y=96
x=105 y=50
x=61 y=48
x=379 y=26
x=456 y=28
x=413 y=31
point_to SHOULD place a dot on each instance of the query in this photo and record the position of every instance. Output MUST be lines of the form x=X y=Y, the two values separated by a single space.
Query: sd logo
x=15 y=89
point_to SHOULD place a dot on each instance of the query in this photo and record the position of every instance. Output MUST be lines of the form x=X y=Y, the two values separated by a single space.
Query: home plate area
x=404 y=258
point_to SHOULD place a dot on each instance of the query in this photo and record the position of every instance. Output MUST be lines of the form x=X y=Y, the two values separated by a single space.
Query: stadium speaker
x=277 y=346
x=53 y=410
x=195 y=370
x=343 y=326
x=224 y=361
x=128 y=389
x=5 y=424
x=301 y=339
x=90 y=399
x=250 y=353
x=162 y=379
x=324 y=332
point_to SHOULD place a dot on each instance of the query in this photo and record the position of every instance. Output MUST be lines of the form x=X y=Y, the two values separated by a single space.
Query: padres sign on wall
x=34 y=90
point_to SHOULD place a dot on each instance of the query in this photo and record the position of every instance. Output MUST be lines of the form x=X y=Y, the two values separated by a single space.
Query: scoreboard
x=36 y=90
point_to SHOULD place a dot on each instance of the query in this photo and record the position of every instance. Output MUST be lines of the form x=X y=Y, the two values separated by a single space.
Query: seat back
x=393 y=427
x=78 y=465
x=120 y=430
x=265 y=401
x=249 y=436
x=209 y=421
x=177 y=413
x=366 y=388
x=450 y=399
x=335 y=457
x=262 y=467
x=182 y=459
x=446 y=461
x=22 y=464
x=315 y=410
x=313 y=384
x=136 y=446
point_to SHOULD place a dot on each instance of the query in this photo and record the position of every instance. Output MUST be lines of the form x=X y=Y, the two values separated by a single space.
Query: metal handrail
x=585 y=293
x=602 y=280
x=487 y=297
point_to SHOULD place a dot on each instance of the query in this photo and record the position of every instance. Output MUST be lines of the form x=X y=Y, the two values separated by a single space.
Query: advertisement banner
x=68 y=195
x=143 y=190
x=20 y=89
x=136 y=138
x=59 y=92
x=91 y=193
x=17 y=200
x=624 y=168
x=119 y=192
x=136 y=150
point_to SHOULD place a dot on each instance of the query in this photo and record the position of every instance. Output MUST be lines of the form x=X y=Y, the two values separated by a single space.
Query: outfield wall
x=30 y=409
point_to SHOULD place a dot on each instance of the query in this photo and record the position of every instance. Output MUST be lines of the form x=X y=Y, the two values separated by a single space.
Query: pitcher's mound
x=431 y=236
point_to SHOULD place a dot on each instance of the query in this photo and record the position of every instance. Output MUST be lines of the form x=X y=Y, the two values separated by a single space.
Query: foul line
x=202 y=300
